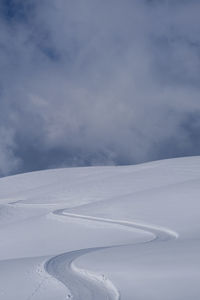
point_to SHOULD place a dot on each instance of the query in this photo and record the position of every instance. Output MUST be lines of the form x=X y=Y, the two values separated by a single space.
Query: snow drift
x=129 y=232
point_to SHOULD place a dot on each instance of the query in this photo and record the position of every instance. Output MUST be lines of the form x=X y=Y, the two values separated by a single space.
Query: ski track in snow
x=84 y=284
x=175 y=182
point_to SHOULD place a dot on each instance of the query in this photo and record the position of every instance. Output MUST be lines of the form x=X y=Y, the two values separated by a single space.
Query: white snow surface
x=95 y=233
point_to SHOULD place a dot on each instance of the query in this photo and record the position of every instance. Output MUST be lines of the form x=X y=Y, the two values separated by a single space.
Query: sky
x=94 y=82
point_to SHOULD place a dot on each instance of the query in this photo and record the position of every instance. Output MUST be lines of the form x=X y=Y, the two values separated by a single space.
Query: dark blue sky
x=98 y=82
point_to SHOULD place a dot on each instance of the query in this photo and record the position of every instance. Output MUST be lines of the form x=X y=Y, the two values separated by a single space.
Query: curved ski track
x=84 y=285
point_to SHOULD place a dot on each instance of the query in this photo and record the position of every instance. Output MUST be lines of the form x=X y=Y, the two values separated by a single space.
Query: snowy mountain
x=128 y=232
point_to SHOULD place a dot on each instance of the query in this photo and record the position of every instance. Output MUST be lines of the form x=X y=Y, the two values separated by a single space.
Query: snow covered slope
x=130 y=232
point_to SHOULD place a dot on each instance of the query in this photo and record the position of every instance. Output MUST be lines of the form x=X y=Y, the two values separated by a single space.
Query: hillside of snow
x=94 y=233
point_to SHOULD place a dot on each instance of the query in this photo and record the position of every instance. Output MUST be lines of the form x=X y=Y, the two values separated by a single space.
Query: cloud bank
x=98 y=82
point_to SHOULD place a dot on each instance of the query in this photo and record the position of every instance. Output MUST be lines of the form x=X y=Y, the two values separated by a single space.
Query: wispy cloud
x=98 y=82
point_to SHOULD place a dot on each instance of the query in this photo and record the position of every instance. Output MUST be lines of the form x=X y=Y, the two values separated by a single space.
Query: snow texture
x=128 y=232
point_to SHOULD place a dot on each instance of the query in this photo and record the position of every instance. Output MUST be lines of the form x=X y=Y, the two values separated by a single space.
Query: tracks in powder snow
x=84 y=284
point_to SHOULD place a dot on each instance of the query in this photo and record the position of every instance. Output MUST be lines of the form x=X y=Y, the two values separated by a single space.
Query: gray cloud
x=97 y=82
